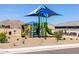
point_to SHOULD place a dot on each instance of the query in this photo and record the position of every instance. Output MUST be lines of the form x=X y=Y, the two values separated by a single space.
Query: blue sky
x=69 y=12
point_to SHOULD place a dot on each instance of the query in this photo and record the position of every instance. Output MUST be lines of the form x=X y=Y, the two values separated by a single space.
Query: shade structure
x=42 y=11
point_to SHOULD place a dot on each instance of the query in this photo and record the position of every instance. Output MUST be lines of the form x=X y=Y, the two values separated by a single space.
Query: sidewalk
x=38 y=48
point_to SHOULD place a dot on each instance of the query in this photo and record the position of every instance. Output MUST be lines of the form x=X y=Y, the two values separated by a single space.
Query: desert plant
x=76 y=39
x=58 y=35
x=71 y=39
x=23 y=42
x=17 y=39
x=25 y=37
x=8 y=37
x=64 y=38
x=14 y=44
x=3 y=38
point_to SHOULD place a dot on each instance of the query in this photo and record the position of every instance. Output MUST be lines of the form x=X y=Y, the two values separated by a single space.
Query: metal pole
x=32 y=30
x=46 y=27
x=39 y=25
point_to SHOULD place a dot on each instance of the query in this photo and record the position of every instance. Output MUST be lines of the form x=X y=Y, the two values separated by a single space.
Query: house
x=71 y=29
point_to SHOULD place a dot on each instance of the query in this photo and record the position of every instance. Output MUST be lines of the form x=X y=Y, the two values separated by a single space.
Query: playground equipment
x=32 y=29
x=42 y=13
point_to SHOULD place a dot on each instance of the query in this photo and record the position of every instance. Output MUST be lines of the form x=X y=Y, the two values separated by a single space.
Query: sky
x=69 y=12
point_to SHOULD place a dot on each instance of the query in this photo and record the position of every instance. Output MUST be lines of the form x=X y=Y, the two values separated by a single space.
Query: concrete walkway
x=38 y=48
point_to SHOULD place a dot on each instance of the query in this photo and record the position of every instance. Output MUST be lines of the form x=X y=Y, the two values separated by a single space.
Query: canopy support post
x=32 y=30
x=46 y=27
x=39 y=25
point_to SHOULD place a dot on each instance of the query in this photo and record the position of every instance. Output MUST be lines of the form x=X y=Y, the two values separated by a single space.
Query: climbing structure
x=42 y=13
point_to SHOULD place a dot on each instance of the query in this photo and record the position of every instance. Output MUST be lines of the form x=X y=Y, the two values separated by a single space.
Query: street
x=61 y=51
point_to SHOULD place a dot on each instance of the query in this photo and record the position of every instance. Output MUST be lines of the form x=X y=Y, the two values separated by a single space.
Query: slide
x=49 y=31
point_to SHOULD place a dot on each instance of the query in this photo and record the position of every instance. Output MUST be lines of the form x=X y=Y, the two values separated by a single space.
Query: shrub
x=17 y=39
x=64 y=38
x=76 y=39
x=3 y=38
x=23 y=42
x=8 y=37
x=58 y=35
x=14 y=44
x=70 y=38
x=25 y=37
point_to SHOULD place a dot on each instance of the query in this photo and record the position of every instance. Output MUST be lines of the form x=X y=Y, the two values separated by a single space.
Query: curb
x=38 y=48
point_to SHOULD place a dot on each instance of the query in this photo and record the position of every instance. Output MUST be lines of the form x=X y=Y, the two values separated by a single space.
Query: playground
x=40 y=28
x=33 y=33
x=38 y=33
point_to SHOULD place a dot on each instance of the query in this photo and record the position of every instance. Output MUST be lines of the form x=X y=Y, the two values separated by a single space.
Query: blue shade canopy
x=42 y=11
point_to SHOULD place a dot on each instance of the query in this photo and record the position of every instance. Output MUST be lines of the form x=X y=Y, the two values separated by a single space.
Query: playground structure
x=42 y=29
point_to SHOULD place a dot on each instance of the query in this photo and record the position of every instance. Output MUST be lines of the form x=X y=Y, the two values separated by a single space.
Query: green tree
x=58 y=35
x=3 y=38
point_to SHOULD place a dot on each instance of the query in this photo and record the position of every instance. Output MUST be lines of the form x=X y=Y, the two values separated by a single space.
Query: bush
x=14 y=44
x=25 y=37
x=8 y=37
x=58 y=35
x=71 y=39
x=17 y=39
x=64 y=38
x=23 y=42
x=3 y=38
x=76 y=39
